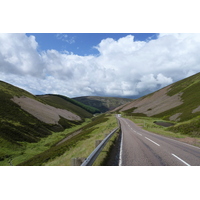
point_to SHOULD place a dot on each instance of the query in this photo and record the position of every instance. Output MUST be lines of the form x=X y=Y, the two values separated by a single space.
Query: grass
x=14 y=91
x=22 y=151
x=181 y=131
x=17 y=125
x=104 y=104
x=63 y=102
x=84 y=146
x=90 y=109
x=184 y=84
x=191 y=93
x=105 y=153
x=22 y=135
x=148 y=124
x=189 y=123
x=129 y=112
x=190 y=127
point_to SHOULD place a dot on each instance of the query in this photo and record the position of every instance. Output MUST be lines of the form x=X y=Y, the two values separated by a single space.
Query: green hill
x=16 y=124
x=72 y=105
x=178 y=102
x=104 y=104
x=25 y=118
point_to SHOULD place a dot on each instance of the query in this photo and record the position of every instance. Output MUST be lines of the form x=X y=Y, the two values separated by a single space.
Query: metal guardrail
x=92 y=157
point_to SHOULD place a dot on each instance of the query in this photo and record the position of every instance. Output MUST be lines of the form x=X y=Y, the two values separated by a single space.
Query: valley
x=51 y=129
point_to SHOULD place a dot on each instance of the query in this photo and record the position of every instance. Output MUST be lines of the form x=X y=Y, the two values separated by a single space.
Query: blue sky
x=121 y=65
x=81 y=43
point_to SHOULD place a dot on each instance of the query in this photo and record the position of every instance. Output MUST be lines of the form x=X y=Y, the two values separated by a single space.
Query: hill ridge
x=104 y=104
x=171 y=97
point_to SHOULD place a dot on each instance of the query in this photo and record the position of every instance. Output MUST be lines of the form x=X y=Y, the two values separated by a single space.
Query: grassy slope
x=63 y=102
x=148 y=124
x=104 y=104
x=18 y=127
x=15 y=91
x=80 y=145
x=189 y=123
x=19 y=154
x=191 y=98
x=16 y=124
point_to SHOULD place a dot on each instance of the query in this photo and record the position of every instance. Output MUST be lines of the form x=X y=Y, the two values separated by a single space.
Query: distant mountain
x=104 y=104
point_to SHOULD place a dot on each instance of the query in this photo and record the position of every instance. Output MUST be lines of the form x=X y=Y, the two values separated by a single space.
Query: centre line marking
x=152 y=141
x=138 y=133
x=180 y=159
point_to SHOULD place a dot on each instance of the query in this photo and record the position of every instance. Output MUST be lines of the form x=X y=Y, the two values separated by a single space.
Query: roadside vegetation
x=185 y=118
x=23 y=135
x=105 y=154
x=181 y=131
x=19 y=152
x=81 y=145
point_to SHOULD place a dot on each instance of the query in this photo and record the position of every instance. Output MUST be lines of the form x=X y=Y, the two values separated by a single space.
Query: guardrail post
x=77 y=161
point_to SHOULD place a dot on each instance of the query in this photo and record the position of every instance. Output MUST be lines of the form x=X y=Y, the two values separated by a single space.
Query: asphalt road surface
x=142 y=148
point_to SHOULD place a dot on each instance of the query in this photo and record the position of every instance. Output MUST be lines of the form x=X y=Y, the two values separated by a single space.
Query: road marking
x=152 y=141
x=180 y=159
x=120 y=154
x=172 y=139
x=138 y=133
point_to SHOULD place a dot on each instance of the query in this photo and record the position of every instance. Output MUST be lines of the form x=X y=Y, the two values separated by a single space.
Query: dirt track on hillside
x=43 y=112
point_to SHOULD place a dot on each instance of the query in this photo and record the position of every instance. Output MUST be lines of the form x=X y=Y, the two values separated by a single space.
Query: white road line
x=180 y=159
x=152 y=141
x=120 y=154
x=172 y=139
x=139 y=133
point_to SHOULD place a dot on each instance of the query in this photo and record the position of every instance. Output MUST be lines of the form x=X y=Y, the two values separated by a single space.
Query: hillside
x=104 y=104
x=28 y=118
x=178 y=102
x=72 y=105
x=23 y=114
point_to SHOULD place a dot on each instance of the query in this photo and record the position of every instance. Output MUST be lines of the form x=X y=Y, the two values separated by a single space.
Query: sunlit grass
x=28 y=150
x=84 y=148
x=148 y=124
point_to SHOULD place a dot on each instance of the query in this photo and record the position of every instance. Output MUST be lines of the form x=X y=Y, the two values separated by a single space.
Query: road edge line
x=180 y=159
x=120 y=154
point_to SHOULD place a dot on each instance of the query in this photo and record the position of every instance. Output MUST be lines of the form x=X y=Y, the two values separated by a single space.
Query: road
x=142 y=148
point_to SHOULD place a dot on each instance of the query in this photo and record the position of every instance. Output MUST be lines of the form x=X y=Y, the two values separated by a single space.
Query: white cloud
x=18 y=55
x=123 y=68
x=65 y=38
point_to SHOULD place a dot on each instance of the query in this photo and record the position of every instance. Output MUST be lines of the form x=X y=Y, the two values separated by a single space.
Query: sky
x=124 y=64
x=97 y=64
